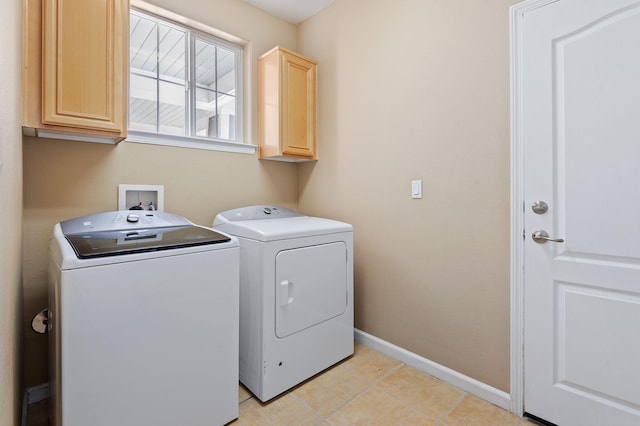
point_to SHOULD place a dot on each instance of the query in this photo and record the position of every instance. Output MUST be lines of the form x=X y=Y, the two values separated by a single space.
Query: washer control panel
x=118 y=220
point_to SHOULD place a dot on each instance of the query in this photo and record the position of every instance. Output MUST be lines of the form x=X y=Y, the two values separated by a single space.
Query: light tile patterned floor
x=373 y=389
x=366 y=389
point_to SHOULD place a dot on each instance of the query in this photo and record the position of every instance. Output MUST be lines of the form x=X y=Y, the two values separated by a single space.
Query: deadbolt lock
x=540 y=207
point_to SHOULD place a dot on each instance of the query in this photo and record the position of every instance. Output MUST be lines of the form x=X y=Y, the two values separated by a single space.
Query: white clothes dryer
x=143 y=321
x=296 y=295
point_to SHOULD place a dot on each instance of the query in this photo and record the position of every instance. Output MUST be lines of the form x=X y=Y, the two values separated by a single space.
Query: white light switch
x=416 y=189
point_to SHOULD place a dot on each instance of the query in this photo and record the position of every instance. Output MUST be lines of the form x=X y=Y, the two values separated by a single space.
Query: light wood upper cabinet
x=287 y=97
x=76 y=68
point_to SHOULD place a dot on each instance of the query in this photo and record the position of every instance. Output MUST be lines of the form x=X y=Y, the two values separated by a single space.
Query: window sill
x=190 y=142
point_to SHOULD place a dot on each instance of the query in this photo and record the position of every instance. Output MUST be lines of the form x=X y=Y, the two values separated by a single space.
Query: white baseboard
x=452 y=377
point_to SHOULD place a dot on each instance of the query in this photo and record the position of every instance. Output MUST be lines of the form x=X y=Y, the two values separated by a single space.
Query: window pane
x=226 y=117
x=143 y=54
x=226 y=66
x=164 y=88
x=205 y=65
x=206 y=126
x=172 y=54
x=172 y=113
x=143 y=101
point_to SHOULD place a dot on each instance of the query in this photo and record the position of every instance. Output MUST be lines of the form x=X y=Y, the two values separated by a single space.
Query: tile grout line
x=303 y=402
x=359 y=394
x=371 y=384
x=390 y=372
x=412 y=407
x=439 y=421
x=453 y=407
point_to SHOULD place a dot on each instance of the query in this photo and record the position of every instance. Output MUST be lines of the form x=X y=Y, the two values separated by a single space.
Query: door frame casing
x=516 y=17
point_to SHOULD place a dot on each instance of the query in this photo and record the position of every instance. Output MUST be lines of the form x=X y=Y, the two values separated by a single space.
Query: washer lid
x=118 y=243
x=120 y=233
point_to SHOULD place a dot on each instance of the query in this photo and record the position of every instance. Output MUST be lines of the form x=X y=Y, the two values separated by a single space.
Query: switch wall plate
x=416 y=189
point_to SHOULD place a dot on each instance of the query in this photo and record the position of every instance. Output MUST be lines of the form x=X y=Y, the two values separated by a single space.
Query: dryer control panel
x=255 y=213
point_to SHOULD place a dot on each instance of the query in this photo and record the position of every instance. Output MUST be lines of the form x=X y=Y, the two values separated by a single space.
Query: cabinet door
x=298 y=106
x=85 y=63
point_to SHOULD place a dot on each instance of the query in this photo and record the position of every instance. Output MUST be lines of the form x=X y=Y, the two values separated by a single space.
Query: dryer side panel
x=310 y=286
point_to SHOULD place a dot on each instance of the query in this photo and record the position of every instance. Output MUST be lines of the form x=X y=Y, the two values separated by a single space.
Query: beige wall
x=65 y=179
x=419 y=89
x=10 y=212
x=414 y=91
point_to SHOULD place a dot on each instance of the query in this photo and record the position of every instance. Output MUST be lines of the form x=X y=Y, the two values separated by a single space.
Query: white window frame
x=241 y=144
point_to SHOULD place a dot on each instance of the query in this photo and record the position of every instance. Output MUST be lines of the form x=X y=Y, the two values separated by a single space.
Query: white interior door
x=580 y=109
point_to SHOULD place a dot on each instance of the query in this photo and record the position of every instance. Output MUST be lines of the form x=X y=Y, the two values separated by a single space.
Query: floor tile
x=331 y=390
x=423 y=392
x=368 y=388
x=369 y=364
x=282 y=411
x=375 y=407
x=243 y=394
x=472 y=411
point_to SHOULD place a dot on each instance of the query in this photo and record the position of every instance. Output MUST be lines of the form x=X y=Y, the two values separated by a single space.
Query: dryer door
x=311 y=286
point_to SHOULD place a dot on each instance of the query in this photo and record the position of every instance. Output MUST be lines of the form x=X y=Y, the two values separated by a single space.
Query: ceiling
x=293 y=11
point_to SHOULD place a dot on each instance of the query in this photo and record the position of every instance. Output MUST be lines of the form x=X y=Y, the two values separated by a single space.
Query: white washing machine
x=143 y=321
x=296 y=295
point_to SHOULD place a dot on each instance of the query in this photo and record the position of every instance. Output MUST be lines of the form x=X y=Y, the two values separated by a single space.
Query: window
x=185 y=85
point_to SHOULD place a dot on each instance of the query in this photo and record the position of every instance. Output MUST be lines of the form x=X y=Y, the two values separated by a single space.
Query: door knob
x=542 y=237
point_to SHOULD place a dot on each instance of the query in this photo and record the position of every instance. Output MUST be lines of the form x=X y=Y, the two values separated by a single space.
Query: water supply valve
x=40 y=322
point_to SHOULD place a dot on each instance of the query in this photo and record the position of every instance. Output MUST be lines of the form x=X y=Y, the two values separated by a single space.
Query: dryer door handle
x=285 y=293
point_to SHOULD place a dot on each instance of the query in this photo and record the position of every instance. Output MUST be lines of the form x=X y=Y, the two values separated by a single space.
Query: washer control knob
x=133 y=218
x=267 y=210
